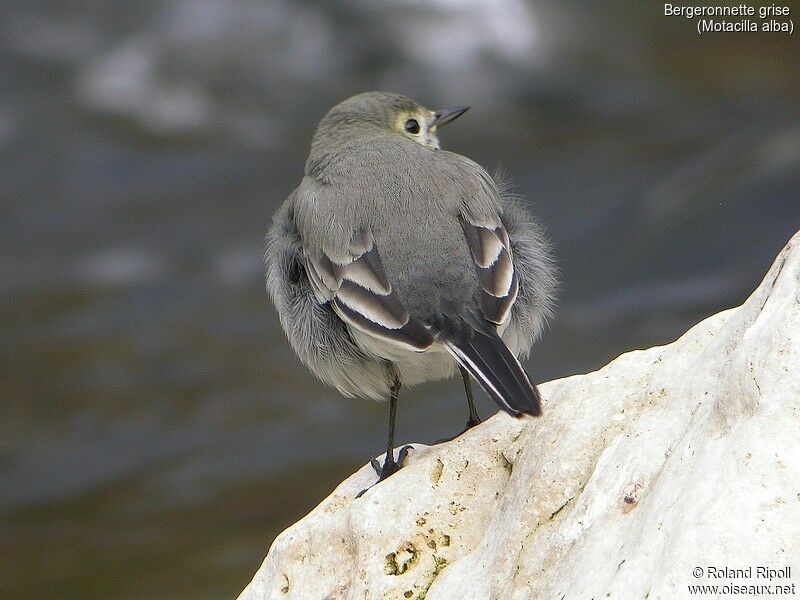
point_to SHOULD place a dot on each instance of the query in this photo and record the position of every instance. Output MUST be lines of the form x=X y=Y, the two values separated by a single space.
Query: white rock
x=666 y=460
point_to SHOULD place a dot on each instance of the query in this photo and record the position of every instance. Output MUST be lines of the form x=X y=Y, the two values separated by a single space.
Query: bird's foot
x=389 y=468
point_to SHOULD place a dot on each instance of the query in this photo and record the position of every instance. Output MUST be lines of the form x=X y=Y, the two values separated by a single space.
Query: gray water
x=156 y=431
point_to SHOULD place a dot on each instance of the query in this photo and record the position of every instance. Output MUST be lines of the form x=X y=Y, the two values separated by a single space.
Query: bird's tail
x=484 y=354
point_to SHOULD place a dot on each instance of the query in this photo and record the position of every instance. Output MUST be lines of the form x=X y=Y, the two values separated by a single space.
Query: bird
x=395 y=262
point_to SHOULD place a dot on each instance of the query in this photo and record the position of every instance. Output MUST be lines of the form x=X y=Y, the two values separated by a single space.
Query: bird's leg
x=474 y=419
x=390 y=466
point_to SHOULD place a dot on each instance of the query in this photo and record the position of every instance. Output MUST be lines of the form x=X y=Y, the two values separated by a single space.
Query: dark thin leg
x=392 y=418
x=474 y=419
x=390 y=466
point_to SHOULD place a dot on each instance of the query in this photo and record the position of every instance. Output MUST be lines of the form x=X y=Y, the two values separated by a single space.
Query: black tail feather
x=495 y=367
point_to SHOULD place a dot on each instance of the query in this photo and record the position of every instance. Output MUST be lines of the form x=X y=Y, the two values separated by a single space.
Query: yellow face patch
x=431 y=116
x=416 y=125
x=404 y=118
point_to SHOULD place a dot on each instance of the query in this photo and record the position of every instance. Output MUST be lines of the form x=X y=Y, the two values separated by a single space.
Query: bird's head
x=381 y=113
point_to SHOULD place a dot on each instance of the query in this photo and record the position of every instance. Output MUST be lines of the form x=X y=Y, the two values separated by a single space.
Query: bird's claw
x=390 y=466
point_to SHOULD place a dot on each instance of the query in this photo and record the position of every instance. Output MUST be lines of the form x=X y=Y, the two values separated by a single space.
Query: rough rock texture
x=667 y=459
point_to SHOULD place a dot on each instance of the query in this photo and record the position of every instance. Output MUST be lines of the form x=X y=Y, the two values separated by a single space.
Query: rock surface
x=666 y=460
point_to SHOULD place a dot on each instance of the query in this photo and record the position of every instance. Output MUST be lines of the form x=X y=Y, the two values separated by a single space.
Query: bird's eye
x=412 y=126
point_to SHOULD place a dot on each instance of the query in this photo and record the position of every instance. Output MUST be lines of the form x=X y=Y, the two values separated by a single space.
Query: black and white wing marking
x=491 y=251
x=361 y=294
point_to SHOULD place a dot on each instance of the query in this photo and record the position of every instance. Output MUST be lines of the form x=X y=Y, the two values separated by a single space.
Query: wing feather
x=367 y=272
x=362 y=295
x=491 y=252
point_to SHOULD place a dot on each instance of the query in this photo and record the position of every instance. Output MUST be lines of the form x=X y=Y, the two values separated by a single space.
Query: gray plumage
x=394 y=261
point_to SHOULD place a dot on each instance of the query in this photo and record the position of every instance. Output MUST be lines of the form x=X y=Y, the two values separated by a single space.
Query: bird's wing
x=491 y=252
x=360 y=292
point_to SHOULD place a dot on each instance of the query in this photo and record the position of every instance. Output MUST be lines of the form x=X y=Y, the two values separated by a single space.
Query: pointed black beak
x=443 y=117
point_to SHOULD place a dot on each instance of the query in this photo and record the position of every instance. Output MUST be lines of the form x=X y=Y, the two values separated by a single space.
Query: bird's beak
x=443 y=117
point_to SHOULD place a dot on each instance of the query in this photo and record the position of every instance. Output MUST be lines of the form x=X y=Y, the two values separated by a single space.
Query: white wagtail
x=393 y=262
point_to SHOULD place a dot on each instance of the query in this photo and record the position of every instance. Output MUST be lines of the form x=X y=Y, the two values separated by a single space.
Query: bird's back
x=412 y=200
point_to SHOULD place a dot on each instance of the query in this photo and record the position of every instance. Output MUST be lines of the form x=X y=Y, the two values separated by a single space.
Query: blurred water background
x=156 y=431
